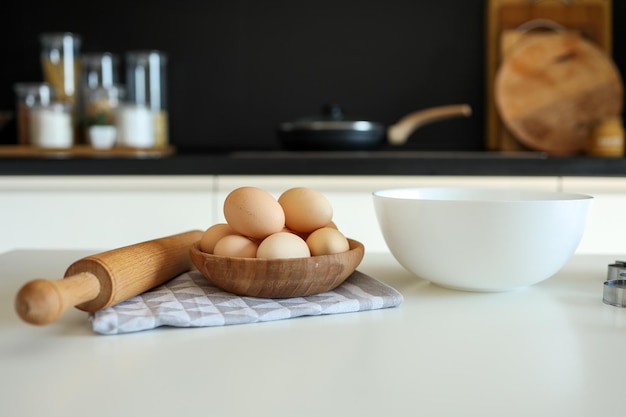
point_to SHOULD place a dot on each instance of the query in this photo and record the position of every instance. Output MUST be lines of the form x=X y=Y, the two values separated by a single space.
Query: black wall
x=238 y=67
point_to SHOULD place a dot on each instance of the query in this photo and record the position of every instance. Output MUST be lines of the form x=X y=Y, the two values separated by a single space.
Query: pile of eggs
x=296 y=225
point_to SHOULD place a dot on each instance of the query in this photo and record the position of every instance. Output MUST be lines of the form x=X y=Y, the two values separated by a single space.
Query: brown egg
x=283 y=245
x=326 y=241
x=305 y=209
x=236 y=246
x=253 y=212
x=213 y=234
x=332 y=225
x=301 y=234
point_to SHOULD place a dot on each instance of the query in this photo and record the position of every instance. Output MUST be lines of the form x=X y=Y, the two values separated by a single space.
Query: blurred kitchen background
x=237 y=68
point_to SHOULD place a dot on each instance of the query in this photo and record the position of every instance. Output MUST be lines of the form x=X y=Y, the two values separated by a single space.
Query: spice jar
x=607 y=138
x=146 y=84
x=29 y=95
x=51 y=125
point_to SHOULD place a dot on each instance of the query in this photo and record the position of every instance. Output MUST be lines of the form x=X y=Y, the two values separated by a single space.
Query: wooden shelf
x=82 y=151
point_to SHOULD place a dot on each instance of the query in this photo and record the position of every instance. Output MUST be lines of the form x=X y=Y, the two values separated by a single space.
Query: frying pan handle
x=399 y=133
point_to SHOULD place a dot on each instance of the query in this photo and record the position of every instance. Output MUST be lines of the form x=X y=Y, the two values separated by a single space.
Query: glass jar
x=135 y=126
x=607 y=138
x=101 y=105
x=60 y=63
x=61 y=68
x=29 y=95
x=51 y=125
x=99 y=72
x=146 y=84
x=99 y=69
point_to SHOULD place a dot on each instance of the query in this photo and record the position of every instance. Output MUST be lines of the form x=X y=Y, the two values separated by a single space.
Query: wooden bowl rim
x=300 y=287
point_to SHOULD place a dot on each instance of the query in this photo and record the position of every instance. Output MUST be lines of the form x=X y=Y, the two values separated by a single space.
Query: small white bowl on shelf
x=102 y=136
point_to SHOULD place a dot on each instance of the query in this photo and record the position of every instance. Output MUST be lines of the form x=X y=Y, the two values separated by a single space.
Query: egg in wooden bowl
x=276 y=247
x=281 y=277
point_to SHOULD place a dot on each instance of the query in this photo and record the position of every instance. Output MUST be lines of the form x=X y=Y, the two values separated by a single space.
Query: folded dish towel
x=189 y=300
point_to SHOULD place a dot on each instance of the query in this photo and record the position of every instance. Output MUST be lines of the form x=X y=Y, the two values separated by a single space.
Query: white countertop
x=553 y=349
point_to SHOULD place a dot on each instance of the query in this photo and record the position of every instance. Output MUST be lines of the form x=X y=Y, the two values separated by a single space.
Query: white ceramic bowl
x=481 y=239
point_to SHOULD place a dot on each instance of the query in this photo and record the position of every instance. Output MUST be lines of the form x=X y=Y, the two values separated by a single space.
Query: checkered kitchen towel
x=189 y=300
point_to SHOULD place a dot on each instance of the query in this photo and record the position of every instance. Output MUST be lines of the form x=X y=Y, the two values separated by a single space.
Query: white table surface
x=553 y=349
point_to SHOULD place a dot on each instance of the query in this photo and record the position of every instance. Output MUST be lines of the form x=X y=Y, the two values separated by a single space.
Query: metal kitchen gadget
x=615 y=286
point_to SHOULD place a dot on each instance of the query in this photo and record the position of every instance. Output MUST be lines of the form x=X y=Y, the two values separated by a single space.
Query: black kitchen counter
x=322 y=163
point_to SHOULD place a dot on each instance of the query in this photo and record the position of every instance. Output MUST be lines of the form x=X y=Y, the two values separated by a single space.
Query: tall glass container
x=146 y=85
x=60 y=63
x=61 y=67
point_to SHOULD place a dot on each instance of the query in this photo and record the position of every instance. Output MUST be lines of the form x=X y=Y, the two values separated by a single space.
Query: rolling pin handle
x=43 y=301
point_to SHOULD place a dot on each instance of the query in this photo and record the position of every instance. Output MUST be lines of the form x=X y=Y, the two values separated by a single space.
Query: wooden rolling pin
x=105 y=279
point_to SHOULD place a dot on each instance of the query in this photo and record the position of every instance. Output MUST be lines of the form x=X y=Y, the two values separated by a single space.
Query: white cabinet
x=100 y=212
x=606 y=229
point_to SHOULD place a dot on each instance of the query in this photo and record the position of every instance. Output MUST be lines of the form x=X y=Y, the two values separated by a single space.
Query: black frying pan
x=332 y=131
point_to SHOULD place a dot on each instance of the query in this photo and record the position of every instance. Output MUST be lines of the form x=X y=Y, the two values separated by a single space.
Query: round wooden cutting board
x=551 y=89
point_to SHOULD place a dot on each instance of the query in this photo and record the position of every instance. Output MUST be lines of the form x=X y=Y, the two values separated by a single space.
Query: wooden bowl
x=278 y=278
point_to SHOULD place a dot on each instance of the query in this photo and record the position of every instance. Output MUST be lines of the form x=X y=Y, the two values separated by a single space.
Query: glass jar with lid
x=60 y=63
x=146 y=83
x=99 y=69
x=29 y=95
x=100 y=115
x=51 y=125
x=607 y=138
